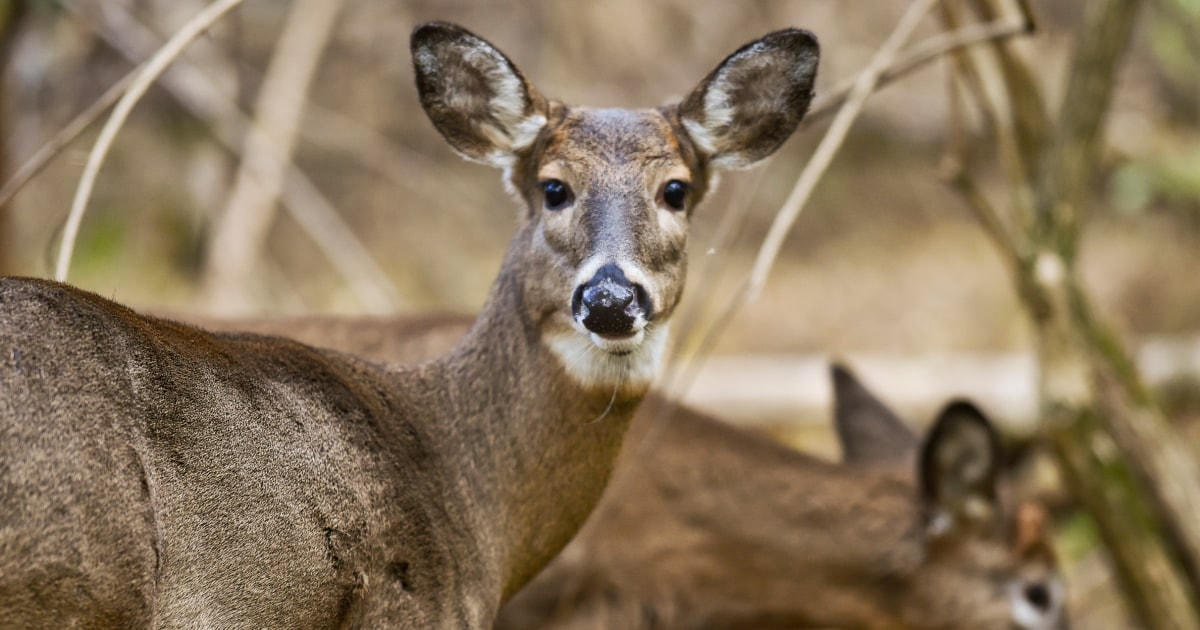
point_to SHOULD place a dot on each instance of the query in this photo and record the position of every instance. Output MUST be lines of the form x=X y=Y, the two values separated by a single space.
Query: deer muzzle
x=610 y=305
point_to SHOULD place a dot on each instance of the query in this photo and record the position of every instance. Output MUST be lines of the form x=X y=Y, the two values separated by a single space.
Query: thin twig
x=830 y=144
x=1027 y=114
x=370 y=284
x=988 y=216
x=137 y=88
x=322 y=223
x=65 y=135
x=956 y=165
x=917 y=57
x=688 y=326
x=241 y=229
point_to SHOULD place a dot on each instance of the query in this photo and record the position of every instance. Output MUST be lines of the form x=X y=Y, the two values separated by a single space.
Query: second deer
x=710 y=527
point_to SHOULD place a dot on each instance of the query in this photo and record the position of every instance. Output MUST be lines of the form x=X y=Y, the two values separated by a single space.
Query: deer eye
x=1038 y=595
x=557 y=194
x=674 y=194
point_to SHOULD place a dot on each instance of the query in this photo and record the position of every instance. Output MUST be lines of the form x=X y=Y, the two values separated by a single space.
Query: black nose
x=609 y=303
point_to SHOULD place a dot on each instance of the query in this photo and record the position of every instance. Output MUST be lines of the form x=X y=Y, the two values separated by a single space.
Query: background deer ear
x=478 y=100
x=960 y=464
x=871 y=435
x=746 y=108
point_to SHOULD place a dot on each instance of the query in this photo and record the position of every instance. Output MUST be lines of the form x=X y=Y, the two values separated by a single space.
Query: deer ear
x=960 y=465
x=478 y=100
x=871 y=435
x=746 y=108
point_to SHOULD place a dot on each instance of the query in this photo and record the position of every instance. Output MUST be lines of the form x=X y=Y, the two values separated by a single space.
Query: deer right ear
x=477 y=99
x=746 y=108
x=959 y=467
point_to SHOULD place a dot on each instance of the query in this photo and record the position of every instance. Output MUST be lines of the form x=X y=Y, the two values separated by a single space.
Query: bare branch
x=45 y=153
x=1027 y=110
x=1143 y=486
x=1075 y=150
x=956 y=163
x=137 y=88
x=321 y=221
x=971 y=74
x=863 y=86
x=988 y=216
x=198 y=94
x=919 y=56
x=242 y=228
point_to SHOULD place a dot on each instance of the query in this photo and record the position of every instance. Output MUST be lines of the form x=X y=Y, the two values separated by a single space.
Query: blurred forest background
x=887 y=266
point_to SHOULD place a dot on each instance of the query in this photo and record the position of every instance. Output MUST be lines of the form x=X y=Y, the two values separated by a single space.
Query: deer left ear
x=746 y=108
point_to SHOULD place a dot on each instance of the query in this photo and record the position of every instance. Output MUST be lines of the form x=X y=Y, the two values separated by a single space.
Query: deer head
x=608 y=194
x=982 y=559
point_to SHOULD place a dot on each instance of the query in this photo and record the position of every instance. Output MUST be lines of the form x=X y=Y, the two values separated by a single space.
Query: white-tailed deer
x=709 y=526
x=153 y=474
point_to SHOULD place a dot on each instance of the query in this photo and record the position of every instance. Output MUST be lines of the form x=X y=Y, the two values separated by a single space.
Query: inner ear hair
x=475 y=96
x=960 y=462
x=753 y=101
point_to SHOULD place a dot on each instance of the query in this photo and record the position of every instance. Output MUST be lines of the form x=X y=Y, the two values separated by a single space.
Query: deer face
x=985 y=563
x=608 y=193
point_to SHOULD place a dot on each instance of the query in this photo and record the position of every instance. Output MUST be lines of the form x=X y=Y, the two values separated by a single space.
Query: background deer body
x=153 y=474
x=708 y=526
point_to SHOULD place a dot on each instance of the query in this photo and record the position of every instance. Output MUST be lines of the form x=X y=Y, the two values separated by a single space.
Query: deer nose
x=609 y=304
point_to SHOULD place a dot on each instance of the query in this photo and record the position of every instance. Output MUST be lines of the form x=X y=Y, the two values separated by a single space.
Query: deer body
x=705 y=525
x=156 y=475
x=201 y=476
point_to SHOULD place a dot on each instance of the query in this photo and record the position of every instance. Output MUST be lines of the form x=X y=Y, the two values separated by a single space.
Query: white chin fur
x=594 y=361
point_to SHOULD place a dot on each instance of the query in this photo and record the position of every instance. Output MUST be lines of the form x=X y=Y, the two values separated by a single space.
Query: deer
x=154 y=474
x=707 y=525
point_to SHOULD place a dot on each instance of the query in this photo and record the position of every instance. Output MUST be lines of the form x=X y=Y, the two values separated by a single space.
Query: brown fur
x=708 y=526
x=156 y=475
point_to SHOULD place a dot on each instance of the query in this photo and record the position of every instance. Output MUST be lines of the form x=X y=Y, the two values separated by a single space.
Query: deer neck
x=846 y=538
x=533 y=448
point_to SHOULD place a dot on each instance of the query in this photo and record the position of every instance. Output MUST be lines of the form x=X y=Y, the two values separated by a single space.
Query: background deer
x=710 y=526
x=154 y=474
x=707 y=526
